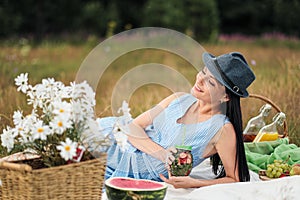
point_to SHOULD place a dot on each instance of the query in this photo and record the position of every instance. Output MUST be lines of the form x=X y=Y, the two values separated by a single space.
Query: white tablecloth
x=278 y=189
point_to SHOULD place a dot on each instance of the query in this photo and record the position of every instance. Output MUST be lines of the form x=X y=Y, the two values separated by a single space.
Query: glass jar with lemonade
x=269 y=132
x=256 y=123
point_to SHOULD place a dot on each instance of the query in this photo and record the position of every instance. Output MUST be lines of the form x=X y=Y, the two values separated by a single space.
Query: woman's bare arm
x=137 y=135
x=147 y=117
x=226 y=148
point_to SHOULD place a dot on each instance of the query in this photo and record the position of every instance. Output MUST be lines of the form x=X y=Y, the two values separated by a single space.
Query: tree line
x=202 y=19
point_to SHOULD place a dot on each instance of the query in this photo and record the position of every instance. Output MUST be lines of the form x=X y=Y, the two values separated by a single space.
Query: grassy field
x=275 y=63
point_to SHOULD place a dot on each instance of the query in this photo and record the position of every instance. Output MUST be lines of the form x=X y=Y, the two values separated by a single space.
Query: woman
x=209 y=119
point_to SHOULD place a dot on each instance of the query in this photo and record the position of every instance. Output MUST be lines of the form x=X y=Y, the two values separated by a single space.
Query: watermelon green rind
x=117 y=193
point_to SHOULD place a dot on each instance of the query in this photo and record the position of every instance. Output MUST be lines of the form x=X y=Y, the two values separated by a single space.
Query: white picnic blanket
x=278 y=189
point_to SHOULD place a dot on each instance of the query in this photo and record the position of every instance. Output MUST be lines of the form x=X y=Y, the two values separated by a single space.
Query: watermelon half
x=122 y=188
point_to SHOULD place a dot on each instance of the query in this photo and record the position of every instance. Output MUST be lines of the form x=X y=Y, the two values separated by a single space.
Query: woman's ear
x=225 y=98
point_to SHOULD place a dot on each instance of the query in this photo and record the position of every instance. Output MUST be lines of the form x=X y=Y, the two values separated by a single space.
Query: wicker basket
x=83 y=180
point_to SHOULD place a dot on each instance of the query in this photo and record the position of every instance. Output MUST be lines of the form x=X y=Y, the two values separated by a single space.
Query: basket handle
x=14 y=166
x=257 y=96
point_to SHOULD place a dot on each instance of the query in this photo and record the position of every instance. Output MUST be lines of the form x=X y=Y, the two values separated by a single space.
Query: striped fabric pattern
x=167 y=132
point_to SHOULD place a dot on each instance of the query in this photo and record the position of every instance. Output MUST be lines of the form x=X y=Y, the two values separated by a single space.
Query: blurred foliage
x=201 y=19
x=196 y=18
x=254 y=17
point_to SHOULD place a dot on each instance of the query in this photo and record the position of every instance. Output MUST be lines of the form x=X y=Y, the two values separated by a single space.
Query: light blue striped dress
x=166 y=132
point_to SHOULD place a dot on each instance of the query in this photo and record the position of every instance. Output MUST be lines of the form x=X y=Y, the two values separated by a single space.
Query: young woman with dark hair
x=209 y=117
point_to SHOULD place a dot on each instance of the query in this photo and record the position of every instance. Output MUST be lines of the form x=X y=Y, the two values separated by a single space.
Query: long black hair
x=234 y=113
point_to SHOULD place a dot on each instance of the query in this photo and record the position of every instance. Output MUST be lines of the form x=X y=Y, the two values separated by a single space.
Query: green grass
x=277 y=75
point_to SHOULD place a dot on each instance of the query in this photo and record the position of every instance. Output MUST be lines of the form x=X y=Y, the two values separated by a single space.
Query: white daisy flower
x=77 y=111
x=57 y=109
x=51 y=88
x=64 y=92
x=121 y=140
x=83 y=91
x=59 y=124
x=126 y=117
x=25 y=137
x=49 y=83
x=87 y=110
x=40 y=131
x=31 y=94
x=62 y=108
x=67 y=149
x=120 y=136
x=28 y=122
x=7 y=139
x=125 y=108
x=22 y=82
x=17 y=117
x=37 y=96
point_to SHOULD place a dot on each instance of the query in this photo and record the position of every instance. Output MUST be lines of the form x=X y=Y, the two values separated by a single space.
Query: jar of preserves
x=183 y=163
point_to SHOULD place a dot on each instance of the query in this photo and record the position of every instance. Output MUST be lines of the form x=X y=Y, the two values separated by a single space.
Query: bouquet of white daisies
x=58 y=128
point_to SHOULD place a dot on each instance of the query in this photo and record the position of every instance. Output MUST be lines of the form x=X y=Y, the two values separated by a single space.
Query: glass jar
x=183 y=163
x=256 y=123
x=269 y=132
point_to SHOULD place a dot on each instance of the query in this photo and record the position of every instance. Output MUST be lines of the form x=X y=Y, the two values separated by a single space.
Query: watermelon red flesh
x=128 y=183
x=132 y=189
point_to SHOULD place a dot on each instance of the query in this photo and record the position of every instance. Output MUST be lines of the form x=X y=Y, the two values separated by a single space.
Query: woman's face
x=207 y=88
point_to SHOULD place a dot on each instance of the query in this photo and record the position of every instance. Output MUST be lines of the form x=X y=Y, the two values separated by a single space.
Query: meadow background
x=52 y=38
x=275 y=62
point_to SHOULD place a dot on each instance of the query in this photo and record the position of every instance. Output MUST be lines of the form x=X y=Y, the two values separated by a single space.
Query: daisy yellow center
x=20 y=129
x=60 y=124
x=67 y=148
x=61 y=110
x=40 y=130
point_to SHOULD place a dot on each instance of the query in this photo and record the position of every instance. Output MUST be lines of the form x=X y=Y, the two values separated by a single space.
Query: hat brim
x=208 y=60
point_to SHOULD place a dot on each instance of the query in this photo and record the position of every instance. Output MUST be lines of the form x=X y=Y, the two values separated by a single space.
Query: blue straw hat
x=231 y=70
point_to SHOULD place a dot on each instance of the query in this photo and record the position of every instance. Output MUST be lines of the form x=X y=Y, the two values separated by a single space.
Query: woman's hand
x=181 y=181
x=169 y=156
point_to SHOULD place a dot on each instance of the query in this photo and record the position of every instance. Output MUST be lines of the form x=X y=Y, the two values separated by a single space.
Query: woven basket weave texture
x=83 y=180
